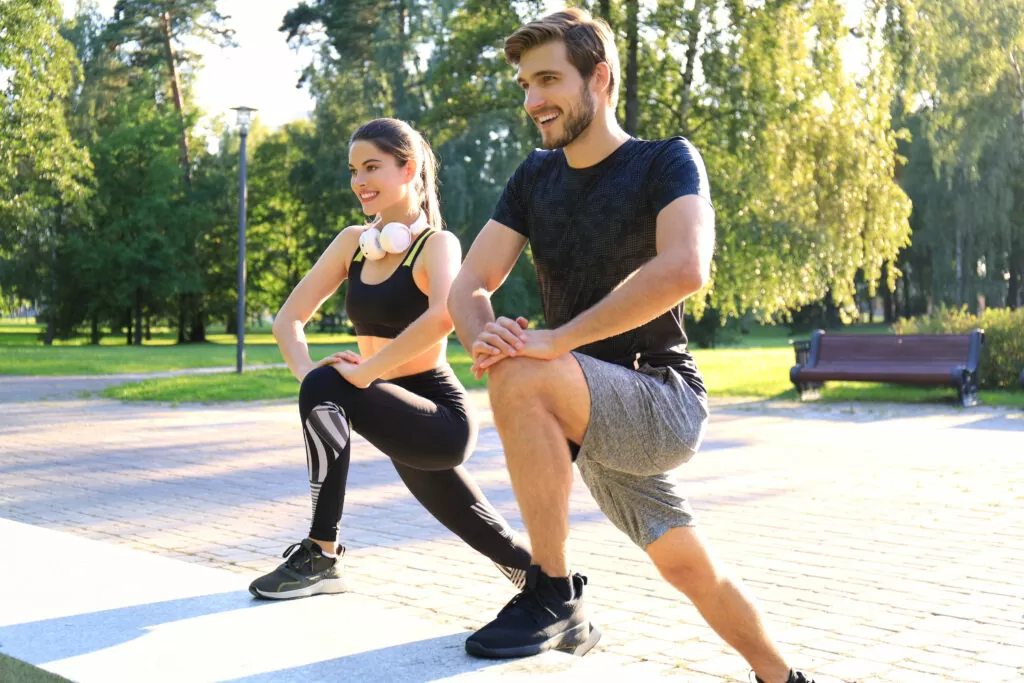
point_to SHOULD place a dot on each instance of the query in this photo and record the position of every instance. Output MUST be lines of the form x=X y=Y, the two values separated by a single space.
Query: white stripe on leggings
x=321 y=454
x=324 y=415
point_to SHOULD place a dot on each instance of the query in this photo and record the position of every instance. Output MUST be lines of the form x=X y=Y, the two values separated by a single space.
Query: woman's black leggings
x=424 y=424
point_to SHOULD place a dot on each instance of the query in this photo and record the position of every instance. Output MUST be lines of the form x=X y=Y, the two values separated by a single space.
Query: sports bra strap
x=417 y=247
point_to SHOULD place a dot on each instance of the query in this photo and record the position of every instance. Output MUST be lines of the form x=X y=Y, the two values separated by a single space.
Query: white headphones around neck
x=393 y=238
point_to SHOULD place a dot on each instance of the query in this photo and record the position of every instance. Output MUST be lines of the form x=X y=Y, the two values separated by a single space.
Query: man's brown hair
x=588 y=42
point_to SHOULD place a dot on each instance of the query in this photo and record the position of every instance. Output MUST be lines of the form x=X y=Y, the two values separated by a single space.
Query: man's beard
x=575 y=121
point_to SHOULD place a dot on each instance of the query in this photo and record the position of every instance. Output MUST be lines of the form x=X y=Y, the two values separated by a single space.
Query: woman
x=398 y=392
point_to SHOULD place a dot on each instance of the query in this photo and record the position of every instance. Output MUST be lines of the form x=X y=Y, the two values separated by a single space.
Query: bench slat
x=954 y=349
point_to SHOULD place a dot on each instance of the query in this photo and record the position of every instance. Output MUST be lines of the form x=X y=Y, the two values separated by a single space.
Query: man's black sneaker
x=306 y=572
x=794 y=677
x=540 y=618
x=516 y=576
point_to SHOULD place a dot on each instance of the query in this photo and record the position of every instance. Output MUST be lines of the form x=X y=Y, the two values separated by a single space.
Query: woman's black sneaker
x=539 y=619
x=794 y=677
x=306 y=572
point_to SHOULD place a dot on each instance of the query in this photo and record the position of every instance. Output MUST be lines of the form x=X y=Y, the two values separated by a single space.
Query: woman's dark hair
x=402 y=141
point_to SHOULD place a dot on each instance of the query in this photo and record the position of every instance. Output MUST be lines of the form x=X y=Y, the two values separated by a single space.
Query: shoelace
x=529 y=602
x=301 y=557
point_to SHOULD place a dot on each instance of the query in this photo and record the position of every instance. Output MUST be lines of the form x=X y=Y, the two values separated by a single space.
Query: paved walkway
x=883 y=543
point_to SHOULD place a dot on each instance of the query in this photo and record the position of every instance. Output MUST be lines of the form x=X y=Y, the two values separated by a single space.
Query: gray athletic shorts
x=643 y=424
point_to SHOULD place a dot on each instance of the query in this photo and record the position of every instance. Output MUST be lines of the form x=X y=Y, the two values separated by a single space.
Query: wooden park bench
x=940 y=359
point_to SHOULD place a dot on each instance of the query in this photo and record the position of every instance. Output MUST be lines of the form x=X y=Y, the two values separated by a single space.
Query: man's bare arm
x=685 y=243
x=490 y=259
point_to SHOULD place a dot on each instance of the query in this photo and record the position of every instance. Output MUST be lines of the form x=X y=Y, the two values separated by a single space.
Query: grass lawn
x=251 y=386
x=18 y=671
x=21 y=352
x=755 y=373
x=758 y=367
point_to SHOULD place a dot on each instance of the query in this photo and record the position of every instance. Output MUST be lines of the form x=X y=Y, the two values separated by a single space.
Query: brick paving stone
x=986 y=673
x=875 y=551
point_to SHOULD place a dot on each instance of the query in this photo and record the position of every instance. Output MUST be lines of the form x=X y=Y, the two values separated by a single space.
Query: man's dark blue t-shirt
x=590 y=228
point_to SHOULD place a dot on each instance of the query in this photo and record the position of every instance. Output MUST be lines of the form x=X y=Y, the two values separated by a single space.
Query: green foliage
x=44 y=174
x=1002 y=355
x=803 y=151
x=962 y=99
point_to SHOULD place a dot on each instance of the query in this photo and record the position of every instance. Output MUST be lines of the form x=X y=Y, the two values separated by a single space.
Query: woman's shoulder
x=344 y=245
x=442 y=239
x=440 y=244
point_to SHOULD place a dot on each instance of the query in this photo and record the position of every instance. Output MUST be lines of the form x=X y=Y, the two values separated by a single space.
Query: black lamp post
x=244 y=116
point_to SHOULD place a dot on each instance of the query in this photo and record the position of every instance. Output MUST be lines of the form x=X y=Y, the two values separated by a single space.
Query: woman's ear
x=412 y=170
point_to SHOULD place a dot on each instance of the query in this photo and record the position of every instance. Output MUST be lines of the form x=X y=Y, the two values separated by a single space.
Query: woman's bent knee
x=320 y=385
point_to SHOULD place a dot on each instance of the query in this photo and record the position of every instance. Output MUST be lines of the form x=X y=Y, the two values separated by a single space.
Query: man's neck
x=602 y=137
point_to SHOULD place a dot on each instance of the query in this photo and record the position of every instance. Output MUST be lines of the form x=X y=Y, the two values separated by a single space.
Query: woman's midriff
x=433 y=357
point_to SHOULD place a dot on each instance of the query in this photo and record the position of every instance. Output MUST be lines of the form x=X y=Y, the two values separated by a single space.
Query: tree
x=155 y=30
x=44 y=175
x=962 y=89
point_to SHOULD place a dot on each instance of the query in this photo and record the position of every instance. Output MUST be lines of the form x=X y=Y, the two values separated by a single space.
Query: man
x=621 y=231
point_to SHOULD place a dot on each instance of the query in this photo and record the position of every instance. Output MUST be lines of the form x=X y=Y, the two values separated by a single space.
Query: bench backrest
x=952 y=349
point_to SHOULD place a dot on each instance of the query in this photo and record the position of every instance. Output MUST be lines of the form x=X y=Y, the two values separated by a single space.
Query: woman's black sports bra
x=386 y=308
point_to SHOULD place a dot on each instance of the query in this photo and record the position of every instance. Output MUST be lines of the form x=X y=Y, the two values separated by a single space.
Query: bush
x=1002 y=355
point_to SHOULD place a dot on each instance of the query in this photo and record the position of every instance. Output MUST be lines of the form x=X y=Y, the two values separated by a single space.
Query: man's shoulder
x=675 y=145
x=541 y=158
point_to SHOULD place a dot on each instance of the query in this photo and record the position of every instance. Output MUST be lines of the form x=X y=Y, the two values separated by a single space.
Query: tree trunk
x=51 y=322
x=138 y=317
x=94 y=330
x=606 y=11
x=888 y=297
x=128 y=329
x=632 y=98
x=198 y=331
x=1020 y=84
x=181 y=319
x=179 y=106
x=400 y=103
x=1015 y=290
x=693 y=29
x=149 y=329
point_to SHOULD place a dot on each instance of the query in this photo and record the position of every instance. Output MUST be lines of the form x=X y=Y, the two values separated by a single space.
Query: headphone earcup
x=395 y=238
x=369 y=242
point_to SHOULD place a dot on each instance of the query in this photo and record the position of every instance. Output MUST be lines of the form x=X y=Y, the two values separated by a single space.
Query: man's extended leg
x=644 y=424
x=683 y=559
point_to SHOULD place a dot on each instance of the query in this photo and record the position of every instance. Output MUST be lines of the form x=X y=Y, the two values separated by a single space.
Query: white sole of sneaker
x=567 y=641
x=323 y=587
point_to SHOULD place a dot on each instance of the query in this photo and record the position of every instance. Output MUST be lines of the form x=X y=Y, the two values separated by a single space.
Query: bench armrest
x=815 y=351
x=974 y=353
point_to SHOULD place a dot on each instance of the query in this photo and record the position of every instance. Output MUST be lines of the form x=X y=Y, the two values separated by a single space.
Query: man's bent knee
x=516 y=377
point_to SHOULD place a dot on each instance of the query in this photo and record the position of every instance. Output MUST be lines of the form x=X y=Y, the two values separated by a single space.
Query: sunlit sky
x=263 y=70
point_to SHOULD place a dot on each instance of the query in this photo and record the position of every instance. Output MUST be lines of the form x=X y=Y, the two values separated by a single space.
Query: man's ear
x=601 y=79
